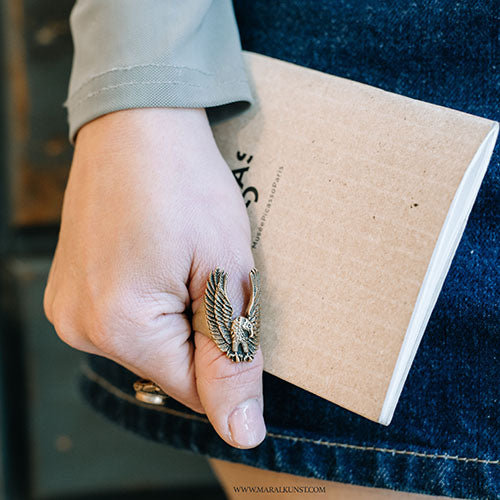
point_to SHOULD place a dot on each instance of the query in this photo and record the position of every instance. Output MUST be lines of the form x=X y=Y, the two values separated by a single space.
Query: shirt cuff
x=153 y=53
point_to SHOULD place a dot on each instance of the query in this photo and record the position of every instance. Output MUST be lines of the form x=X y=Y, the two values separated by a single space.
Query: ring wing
x=219 y=309
x=253 y=309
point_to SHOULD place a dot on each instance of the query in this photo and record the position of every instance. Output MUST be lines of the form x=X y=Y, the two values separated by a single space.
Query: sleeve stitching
x=151 y=65
x=92 y=94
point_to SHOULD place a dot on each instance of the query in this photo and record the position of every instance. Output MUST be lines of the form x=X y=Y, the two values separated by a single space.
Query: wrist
x=131 y=124
x=177 y=133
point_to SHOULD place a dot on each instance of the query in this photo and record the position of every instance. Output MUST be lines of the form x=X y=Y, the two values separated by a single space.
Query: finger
x=166 y=356
x=230 y=392
x=154 y=346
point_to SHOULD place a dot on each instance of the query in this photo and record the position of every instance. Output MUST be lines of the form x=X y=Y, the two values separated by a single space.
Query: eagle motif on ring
x=238 y=338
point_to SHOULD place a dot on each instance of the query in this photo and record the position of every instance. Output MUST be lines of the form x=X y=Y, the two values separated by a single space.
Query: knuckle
x=101 y=339
x=65 y=328
x=103 y=330
x=114 y=322
x=105 y=320
x=122 y=310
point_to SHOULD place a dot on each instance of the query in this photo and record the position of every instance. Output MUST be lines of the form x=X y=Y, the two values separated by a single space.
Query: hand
x=150 y=209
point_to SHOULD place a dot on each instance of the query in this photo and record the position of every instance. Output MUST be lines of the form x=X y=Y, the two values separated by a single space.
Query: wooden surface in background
x=38 y=53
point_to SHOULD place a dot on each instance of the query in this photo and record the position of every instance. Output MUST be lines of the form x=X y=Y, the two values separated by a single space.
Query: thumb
x=230 y=392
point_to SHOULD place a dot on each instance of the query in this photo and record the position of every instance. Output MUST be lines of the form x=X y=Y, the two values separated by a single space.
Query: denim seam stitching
x=387 y=450
x=108 y=386
x=115 y=391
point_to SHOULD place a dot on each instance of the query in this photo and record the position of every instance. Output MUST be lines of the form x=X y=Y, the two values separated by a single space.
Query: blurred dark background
x=53 y=446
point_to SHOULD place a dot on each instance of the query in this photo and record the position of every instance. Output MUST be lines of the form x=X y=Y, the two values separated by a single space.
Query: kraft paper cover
x=347 y=189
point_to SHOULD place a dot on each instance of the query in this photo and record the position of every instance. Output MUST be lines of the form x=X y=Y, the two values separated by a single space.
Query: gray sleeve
x=153 y=53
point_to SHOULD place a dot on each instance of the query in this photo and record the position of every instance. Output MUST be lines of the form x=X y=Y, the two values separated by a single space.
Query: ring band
x=199 y=321
x=149 y=392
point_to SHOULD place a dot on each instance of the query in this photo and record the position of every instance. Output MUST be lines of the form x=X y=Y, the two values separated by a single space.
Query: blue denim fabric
x=444 y=438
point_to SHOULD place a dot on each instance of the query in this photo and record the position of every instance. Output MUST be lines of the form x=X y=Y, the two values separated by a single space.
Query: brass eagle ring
x=238 y=338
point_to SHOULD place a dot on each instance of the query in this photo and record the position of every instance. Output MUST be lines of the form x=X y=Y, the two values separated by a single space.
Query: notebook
x=357 y=199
